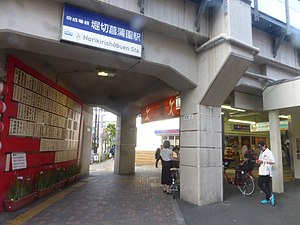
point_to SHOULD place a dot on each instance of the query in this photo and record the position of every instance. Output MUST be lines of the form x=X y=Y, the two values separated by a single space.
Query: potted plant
x=72 y=171
x=19 y=193
x=45 y=183
x=60 y=178
x=78 y=172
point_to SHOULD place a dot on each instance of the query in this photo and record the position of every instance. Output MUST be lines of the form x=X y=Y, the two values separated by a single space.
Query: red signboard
x=166 y=109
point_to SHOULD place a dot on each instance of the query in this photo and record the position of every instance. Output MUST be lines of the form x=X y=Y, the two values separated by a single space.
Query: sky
x=276 y=9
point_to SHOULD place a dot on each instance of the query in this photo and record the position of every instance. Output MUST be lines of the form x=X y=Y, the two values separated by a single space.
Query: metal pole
x=95 y=132
x=287 y=12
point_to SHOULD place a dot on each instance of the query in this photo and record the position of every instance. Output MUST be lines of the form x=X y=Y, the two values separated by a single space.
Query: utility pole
x=98 y=118
x=101 y=135
x=95 y=133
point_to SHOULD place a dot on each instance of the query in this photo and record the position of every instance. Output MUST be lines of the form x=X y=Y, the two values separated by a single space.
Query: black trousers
x=166 y=173
x=264 y=182
x=156 y=162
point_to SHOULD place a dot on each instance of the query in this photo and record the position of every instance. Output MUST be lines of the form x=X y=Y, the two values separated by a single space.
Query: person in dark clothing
x=157 y=157
x=249 y=161
x=112 y=151
x=176 y=156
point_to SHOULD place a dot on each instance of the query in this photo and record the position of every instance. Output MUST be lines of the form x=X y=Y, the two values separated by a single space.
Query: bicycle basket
x=241 y=174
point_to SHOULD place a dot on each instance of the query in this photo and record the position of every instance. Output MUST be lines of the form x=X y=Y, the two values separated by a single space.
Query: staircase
x=144 y=158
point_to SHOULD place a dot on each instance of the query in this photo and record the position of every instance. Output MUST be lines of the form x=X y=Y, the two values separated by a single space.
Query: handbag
x=263 y=169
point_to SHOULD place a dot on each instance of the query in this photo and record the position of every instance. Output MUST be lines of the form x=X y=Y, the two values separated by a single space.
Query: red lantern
x=3 y=88
x=2 y=107
x=1 y=127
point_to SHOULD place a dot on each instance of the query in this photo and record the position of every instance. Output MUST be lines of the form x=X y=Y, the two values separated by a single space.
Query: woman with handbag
x=265 y=160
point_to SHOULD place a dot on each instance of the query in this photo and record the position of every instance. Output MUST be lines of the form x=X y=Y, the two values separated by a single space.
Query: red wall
x=36 y=160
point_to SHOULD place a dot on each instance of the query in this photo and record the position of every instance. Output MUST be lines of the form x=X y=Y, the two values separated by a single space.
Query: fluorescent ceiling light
x=241 y=121
x=283 y=116
x=233 y=109
x=105 y=73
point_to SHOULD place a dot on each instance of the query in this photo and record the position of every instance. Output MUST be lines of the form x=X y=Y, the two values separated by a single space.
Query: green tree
x=110 y=134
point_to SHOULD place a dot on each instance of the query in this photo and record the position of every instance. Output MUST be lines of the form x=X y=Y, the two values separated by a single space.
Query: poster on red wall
x=18 y=160
x=40 y=124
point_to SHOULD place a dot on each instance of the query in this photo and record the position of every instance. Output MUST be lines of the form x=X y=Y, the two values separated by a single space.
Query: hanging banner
x=18 y=160
x=166 y=109
x=92 y=29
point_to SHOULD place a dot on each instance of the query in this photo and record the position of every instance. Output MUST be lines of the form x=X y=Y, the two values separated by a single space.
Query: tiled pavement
x=110 y=199
x=105 y=198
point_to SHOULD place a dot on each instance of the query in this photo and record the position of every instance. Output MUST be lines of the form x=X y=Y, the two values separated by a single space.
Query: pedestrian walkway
x=239 y=210
x=105 y=198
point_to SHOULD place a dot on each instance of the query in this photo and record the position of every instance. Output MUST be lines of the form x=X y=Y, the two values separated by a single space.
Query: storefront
x=171 y=135
x=239 y=137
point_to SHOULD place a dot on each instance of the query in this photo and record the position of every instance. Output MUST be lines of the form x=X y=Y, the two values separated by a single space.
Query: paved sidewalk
x=239 y=210
x=109 y=199
x=106 y=198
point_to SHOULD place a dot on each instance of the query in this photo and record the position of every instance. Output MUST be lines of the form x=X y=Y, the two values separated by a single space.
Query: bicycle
x=243 y=178
x=175 y=186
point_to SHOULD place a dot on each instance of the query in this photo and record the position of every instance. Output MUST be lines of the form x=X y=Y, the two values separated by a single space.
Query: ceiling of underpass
x=137 y=82
x=75 y=68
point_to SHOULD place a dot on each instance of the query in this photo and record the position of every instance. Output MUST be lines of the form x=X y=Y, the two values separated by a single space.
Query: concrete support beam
x=201 y=152
x=224 y=79
x=125 y=144
x=294 y=143
x=275 y=146
x=84 y=153
x=227 y=55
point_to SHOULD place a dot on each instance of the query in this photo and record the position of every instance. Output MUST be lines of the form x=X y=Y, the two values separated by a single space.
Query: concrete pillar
x=275 y=146
x=201 y=168
x=125 y=144
x=295 y=144
x=84 y=154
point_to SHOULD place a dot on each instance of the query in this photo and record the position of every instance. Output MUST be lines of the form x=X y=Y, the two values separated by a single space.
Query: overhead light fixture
x=283 y=116
x=233 y=109
x=106 y=73
x=242 y=121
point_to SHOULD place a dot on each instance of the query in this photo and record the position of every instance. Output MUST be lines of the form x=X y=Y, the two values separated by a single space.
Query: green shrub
x=44 y=179
x=19 y=188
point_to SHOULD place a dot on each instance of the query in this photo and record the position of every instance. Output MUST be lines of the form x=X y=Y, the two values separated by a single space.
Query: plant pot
x=71 y=180
x=60 y=185
x=12 y=206
x=78 y=176
x=46 y=191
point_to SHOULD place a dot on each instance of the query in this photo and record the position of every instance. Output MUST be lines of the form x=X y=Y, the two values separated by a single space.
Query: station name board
x=95 y=30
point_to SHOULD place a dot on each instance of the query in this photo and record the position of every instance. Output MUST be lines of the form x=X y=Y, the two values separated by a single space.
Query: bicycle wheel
x=247 y=186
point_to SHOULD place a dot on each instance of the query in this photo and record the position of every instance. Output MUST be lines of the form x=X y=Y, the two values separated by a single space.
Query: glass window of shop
x=237 y=145
x=174 y=139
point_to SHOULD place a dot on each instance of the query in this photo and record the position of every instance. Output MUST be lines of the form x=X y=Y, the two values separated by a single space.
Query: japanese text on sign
x=18 y=160
x=95 y=30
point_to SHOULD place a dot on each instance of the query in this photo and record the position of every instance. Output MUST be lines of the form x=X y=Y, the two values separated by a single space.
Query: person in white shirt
x=167 y=163
x=265 y=160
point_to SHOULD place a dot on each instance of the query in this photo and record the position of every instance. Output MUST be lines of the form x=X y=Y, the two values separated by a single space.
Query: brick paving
x=110 y=199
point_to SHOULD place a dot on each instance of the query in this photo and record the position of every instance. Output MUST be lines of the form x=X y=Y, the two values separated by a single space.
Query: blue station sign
x=88 y=28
